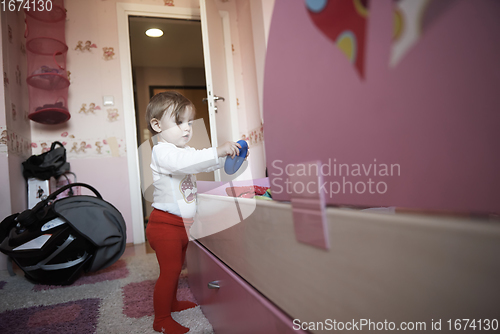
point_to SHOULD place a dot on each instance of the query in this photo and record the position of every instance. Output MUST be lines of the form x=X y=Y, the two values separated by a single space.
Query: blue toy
x=233 y=164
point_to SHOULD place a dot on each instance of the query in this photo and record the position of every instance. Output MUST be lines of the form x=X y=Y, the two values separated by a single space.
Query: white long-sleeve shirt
x=173 y=176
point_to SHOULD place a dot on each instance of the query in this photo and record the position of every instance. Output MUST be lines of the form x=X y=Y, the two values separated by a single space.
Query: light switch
x=108 y=100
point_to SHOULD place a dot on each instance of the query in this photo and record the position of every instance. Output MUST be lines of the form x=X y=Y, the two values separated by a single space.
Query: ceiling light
x=154 y=32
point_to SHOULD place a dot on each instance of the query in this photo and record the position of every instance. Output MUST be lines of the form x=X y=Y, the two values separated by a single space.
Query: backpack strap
x=62 y=189
x=53 y=146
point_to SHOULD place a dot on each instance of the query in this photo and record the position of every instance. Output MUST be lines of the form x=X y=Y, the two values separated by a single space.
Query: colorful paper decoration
x=345 y=23
x=412 y=18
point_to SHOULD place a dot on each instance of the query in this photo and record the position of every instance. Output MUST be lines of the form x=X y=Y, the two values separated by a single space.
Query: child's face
x=180 y=133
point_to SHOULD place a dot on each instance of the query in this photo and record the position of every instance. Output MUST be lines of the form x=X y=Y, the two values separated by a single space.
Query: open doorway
x=173 y=61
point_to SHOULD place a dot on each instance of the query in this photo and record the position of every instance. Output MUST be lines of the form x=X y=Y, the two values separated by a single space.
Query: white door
x=220 y=85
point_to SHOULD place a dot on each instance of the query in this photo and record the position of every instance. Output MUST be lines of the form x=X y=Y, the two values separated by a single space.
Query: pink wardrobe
x=381 y=127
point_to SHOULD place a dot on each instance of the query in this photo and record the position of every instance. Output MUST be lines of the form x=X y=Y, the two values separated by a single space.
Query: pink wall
x=89 y=137
x=15 y=136
x=435 y=113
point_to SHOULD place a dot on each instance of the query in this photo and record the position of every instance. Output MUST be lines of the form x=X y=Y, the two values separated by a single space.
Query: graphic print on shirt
x=188 y=190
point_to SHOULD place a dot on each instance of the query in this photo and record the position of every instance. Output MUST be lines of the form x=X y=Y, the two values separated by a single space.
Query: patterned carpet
x=118 y=299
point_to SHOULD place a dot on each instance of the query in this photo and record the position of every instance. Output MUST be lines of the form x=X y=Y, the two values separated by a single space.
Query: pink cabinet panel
x=415 y=130
x=235 y=306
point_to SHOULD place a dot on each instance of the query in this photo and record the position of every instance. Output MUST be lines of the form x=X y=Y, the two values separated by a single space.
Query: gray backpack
x=57 y=240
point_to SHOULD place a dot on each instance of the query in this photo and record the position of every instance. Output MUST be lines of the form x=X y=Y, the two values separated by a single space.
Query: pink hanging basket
x=48 y=72
x=46 y=109
x=46 y=54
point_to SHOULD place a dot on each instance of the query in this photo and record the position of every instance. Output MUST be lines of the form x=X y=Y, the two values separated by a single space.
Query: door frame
x=124 y=10
x=230 y=77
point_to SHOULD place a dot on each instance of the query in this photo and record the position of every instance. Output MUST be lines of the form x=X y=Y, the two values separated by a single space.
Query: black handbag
x=57 y=240
x=48 y=164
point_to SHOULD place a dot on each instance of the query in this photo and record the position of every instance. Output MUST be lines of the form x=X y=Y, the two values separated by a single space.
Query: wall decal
x=83 y=109
x=98 y=147
x=18 y=75
x=10 y=33
x=254 y=136
x=91 y=109
x=80 y=147
x=108 y=53
x=45 y=147
x=169 y=2
x=3 y=139
x=87 y=47
x=112 y=114
x=76 y=148
x=11 y=142
x=14 y=112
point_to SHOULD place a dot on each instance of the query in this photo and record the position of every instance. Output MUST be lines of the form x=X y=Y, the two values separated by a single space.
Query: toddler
x=170 y=116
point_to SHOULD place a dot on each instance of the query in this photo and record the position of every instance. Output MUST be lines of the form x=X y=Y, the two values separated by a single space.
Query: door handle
x=217 y=98
x=214 y=285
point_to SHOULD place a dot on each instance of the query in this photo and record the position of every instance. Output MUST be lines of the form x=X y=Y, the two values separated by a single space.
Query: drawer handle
x=213 y=285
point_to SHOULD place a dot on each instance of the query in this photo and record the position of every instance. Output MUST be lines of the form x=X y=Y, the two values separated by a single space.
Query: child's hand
x=229 y=148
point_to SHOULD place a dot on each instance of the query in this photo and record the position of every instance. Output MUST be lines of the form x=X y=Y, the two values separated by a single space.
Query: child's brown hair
x=172 y=102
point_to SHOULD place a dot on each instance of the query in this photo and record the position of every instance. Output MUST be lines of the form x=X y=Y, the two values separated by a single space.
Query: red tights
x=167 y=236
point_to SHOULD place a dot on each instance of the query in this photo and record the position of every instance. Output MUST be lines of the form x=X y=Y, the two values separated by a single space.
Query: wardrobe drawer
x=235 y=306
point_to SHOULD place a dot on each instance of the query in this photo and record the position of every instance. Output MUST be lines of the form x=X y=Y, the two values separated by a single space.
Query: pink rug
x=138 y=297
x=118 y=299
x=72 y=317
